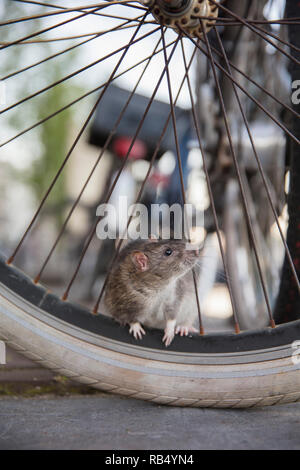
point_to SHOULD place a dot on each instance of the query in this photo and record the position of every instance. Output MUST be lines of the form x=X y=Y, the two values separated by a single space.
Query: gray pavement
x=109 y=422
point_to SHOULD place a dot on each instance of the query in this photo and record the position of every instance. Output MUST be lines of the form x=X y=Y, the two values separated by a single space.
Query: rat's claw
x=137 y=330
x=185 y=330
x=169 y=332
x=168 y=338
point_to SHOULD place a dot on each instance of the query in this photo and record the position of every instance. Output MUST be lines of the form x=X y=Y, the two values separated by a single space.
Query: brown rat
x=151 y=283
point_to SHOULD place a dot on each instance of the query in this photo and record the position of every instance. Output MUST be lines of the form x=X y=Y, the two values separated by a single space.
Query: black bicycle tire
x=76 y=315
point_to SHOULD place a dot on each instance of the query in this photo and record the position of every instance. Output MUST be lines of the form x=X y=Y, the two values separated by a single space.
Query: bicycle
x=236 y=369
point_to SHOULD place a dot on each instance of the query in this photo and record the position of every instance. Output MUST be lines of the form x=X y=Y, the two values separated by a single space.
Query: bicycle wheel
x=238 y=369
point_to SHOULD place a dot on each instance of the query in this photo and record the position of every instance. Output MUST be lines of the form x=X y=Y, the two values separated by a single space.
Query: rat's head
x=162 y=260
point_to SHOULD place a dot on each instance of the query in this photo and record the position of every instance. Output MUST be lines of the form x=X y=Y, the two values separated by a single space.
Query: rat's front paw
x=169 y=332
x=185 y=330
x=137 y=330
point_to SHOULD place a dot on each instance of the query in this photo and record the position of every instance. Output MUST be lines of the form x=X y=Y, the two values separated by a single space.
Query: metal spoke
x=246 y=23
x=263 y=108
x=85 y=7
x=287 y=251
x=221 y=21
x=219 y=60
x=93 y=230
x=78 y=36
x=50 y=28
x=275 y=36
x=250 y=79
x=46 y=15
x=178 y=157
x=103 y=150
x=211 y=198
x=138 y=198
x=38 y=123
x=130 y=4
x=74 y=144
x=239 y=177
x=59 y=7
x=57 y=54
x=73 y=74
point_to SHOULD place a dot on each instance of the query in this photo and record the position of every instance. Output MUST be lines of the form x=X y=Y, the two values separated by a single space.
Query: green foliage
x=52 y=137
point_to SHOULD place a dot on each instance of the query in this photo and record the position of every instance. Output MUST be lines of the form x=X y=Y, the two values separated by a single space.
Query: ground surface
x=103 y=421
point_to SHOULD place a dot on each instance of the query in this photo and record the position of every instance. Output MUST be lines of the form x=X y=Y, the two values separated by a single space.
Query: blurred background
x=30 y=162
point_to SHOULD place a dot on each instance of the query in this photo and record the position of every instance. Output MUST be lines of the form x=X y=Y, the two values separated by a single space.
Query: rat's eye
x=168 y=252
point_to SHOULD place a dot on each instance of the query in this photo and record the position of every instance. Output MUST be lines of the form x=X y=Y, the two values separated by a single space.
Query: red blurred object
x=157 y=178
x=122 y=144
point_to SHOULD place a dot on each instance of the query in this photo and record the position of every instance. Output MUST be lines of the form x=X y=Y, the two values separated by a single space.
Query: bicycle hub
x=185 y=13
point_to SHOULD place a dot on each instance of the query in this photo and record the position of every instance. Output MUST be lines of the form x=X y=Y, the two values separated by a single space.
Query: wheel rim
x=227 y=71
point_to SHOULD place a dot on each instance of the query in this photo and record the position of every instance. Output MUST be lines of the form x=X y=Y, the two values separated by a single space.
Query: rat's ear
x=140 y=260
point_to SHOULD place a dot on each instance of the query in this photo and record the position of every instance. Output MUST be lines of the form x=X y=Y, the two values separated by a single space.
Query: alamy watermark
x=296 y=93
x=156 y=220
x=296 y=352
x=2 y=353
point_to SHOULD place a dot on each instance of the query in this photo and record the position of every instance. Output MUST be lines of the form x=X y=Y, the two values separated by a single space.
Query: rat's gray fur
x=165 y=291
